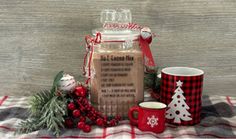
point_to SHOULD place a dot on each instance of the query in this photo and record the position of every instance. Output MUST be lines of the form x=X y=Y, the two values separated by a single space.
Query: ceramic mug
x=181 y=91
x=151 y=116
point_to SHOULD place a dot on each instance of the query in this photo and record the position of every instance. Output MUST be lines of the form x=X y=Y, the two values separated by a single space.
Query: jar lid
x=116 y=25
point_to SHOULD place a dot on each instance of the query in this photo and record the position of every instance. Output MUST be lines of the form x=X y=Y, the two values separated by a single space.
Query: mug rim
x=174 y=71
x=164 y=107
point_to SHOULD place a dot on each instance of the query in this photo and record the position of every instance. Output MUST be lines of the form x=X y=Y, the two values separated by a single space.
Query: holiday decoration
x=76 y=113
x=58 y=108
x=47 y=110
x=146 y=34
x=71 y=106
x=190 y=85
x=83 y=114
x=152 y=83
x=114 y=66
x=114 y=63
x=178 y=107
x=152 y=121
x=80 y=91
x=67 y=83
x=151 y=116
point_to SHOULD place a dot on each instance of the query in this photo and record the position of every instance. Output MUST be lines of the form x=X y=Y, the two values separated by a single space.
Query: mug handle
x=132 y=119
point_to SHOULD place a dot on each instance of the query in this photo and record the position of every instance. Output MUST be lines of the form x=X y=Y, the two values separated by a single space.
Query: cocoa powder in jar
x=117 y=77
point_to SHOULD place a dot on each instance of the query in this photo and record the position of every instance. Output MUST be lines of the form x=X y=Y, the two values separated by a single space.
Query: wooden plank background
x=38 y=38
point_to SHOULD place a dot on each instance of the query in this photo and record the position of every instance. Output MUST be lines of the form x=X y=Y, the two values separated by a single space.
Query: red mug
x=151 y=116
x=181 y=91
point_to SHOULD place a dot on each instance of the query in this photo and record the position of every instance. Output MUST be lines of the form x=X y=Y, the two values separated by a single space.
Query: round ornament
x=67 y=83
x=146 y=34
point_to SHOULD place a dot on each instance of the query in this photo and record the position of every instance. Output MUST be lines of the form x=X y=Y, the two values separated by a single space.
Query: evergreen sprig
x=47 y=110
x=150 y=78
x=28 y=125
x=52 y=115
x=38 y=100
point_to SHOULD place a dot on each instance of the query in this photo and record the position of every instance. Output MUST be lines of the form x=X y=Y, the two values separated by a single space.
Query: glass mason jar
x=118 y=71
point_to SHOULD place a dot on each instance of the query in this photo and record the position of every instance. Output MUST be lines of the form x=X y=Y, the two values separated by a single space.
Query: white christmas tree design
x=152 y=121
x=178 y=107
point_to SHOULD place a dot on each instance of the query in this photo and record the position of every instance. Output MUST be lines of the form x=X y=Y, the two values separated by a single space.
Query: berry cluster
x=82 y=114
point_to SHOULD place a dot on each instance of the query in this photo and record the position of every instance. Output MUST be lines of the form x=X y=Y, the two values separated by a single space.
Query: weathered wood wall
x=38 y=38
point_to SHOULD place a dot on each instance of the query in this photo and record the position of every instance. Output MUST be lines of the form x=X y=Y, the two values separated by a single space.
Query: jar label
x=118 y=82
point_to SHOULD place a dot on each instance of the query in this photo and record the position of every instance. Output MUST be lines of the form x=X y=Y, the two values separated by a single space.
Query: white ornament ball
x=146 y=34
x=67 y=83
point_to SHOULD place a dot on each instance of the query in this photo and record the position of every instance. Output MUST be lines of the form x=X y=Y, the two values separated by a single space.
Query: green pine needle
x=47 y=111
x=38 y=101
x=57 y=78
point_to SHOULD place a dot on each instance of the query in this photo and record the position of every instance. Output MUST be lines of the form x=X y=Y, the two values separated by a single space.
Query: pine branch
x=53 y=114
x=150 y=77
x=28 y=126
x=47 y=110
x=49 y=116
x=38 y=101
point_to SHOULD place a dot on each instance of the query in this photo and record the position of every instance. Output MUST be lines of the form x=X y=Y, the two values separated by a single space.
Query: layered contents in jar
x=117 y=82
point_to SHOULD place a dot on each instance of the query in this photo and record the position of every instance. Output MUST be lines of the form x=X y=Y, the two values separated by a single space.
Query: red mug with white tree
x=181 y=90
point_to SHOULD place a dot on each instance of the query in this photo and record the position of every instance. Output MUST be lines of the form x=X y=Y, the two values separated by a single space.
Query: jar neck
x=117 y=41
x=119 y=45
x=124 y=35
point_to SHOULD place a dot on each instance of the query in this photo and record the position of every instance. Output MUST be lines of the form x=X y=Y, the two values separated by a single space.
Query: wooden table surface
x=38 y=38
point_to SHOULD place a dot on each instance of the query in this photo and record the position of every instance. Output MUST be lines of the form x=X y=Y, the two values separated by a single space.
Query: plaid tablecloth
x=218 y=119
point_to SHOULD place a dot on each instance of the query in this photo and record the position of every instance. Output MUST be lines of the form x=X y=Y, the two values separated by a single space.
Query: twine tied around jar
x=90 y=42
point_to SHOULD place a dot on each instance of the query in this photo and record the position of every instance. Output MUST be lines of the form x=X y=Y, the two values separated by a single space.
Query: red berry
x=68 y=123
x=71 y=106
x=81 y=125
x=99 y=122
x=80 y=91
x=92 y=109
x=91 y=117
x=105 y=118
x=118 y=117
x=83 y=94
x=79 y=100
x=87 y=128
x=99 y=114
x=82 y=109
x=112 y=123
x=88 y=108
x=82 y=119
x=76 y=113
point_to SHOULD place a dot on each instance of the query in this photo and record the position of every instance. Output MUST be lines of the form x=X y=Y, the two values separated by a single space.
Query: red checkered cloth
x=218 y=119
